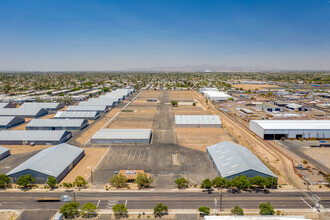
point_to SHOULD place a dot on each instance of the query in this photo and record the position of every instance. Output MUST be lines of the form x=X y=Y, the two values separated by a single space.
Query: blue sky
x=123 y=34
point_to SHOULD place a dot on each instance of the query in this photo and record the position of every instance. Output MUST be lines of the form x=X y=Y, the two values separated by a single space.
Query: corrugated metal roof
x=99 y=101
x=29 y=135
x=231 y=159
x=5 y=120
x=122 y=134
x=3 y=150
x=294 y=105
x=50 y=161
x=216 y=94
x=56 y=122
x=293 y=124
x=197 y=119
x=46 y=105
x=76 y=114
x=2 y=105
x=86 y=108
x=20 y=111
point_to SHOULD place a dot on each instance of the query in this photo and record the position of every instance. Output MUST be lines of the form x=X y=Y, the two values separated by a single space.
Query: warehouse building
x=56 y=161
x=268 y=108
x=57 y=124
x=278 y=129
x=296 y=107
x=26 y=137
x=23 y=112
x=121 y=136
x=217 y=95
x=100 y=101
x=87 y=108
x=197 y=121
x=49 y=106
x=4 y=152
x=92 y=115
x=10 y=121
x=231 y=160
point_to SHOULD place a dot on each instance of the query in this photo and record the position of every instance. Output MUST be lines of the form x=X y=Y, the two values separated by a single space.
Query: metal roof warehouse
x=49 y=106
x=10 y=121
x=92 y=115
x=17 y=137
x=87 y=108
x=23 y=112
x=57 y=124
x=206 y=121
x=277 y=129
x=232 y=160
x=4 y=152
x=119 y=136
x=56 y=161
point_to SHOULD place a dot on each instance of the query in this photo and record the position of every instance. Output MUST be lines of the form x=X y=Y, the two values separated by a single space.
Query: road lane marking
x=98 y=203
x=306 y=203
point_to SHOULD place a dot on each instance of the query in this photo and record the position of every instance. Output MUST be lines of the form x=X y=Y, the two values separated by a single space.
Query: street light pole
x=220 y=199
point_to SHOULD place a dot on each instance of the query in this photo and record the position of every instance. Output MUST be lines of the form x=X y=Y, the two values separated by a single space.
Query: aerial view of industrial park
x=188 y=110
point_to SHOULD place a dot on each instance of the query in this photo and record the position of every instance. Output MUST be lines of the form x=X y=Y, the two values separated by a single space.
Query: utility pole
x=220 y=199
x=92 y=177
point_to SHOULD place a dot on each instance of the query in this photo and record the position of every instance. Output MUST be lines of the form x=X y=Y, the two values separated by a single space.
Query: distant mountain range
x=204 y=68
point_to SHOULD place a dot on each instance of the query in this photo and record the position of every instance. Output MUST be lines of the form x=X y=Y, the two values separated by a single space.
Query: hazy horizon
x=131 y=35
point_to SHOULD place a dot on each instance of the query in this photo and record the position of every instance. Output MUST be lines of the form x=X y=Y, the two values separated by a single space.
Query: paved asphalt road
x=174 y=200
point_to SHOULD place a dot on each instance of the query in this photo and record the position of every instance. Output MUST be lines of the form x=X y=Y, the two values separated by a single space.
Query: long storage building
x=57 y=124
x=91 y=115
x=56 y=161
x=121 y=136
x=87 y=108
x=26 y=137
x=277 y=129
x=4 y=152
x=231 y=160
x=49 y=106
x=10 y=121
x=198 y=121
x=23 y=112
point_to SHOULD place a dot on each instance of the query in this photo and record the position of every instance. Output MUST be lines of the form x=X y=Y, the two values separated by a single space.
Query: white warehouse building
x=277 y=129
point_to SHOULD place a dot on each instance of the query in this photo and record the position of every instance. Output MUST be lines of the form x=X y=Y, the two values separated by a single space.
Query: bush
x=236 y=210
x=89 y=210
x=25 y=181
x=51 y=182
x=182 y=183
x=4 y=180
x=207 y=184
x=118 y=181
x=119 y=210
x=142 y=180
x=204 y=210
x=160 y=210
x=70 y=209
x=266 y=209
x=80 y=182
x=174 y=103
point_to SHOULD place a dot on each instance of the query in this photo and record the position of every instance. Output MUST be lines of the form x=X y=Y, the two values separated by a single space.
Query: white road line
x=306 y=203
x=98 y=203
x=126 y=203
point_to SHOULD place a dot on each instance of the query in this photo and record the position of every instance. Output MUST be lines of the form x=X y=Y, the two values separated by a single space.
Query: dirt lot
x=117 y=124
x=88 y=132
x=21 y=149
x=8 y=215
x=253 y=87
x=189 y=110
x=322 y=155
x=182 y=95
x=200 y=138
x=86 y=164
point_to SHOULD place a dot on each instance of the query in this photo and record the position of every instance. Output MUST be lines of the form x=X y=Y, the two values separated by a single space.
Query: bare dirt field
x=200 y=138
x=255 y=86
x=182 y=95
x=189 y=110
x=117 y=124
x=320 y=154
x=8 y=215
x=18 y=149
x=88 y=132
x=86 y=164
x=137 y=114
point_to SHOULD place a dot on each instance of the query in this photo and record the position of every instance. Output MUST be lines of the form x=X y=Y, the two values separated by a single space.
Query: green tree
x=258 y=181
x=70 y=209
x=219 y=182
x=270 y=182
x=182 y=183
x=207 y=184
x=236 y=210
x=160 y=210
x=143 y=180
x=204 y=210
x=266 y=209
x=80 y=182
x=25 y=181
x=89 y=210
x=105 y=89
x=119 y=210
x=174 y=103
x=4 y=180
x=242 y=182
x=51 y=182
x=118 y=181
x=67 y=185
